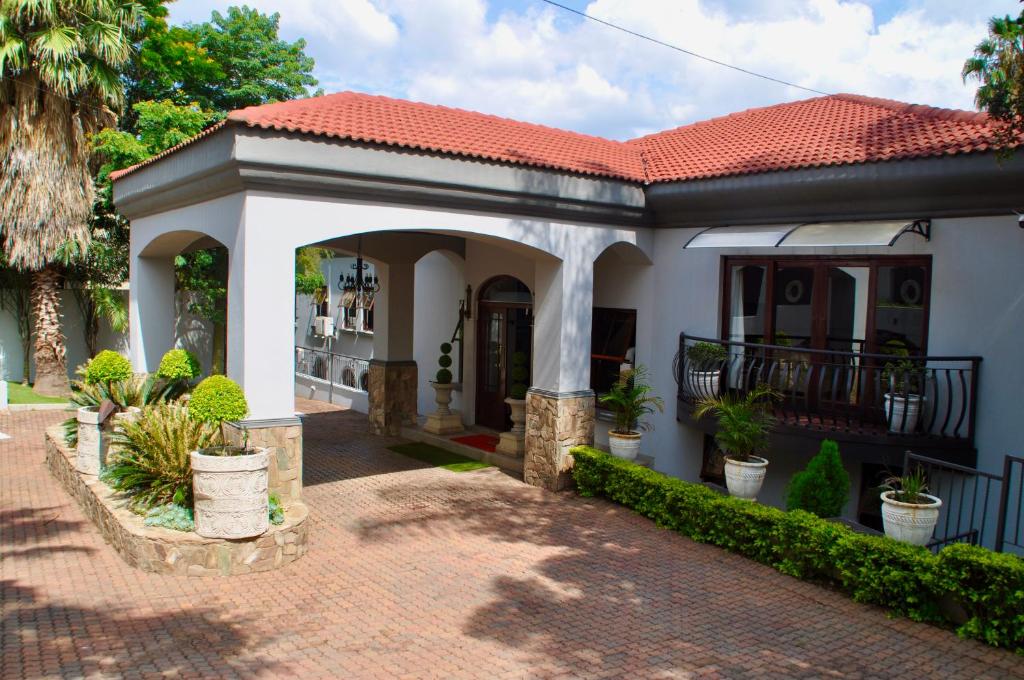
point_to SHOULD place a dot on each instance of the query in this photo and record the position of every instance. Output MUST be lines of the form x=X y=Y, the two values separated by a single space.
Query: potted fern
x=229 y=483
x=909 y=513
x=630 y=399
x=704 y=361
x=443 y=421
x=743 y=427
x=513 y=442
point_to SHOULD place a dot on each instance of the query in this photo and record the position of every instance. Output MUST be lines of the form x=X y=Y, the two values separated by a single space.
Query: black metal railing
x=978 y=507
x=820 y=389
x=340 y=370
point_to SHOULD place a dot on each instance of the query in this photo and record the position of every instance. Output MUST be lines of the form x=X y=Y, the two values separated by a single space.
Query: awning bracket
x=919 y=227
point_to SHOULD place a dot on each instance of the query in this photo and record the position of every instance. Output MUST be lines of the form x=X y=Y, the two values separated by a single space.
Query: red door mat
x=484 y=442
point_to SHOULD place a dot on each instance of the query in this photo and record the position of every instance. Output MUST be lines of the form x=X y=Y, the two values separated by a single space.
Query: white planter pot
x=909 y=522
x=702 y=384
x=443 y=397
x=231 y=498
x=902 y=413
x=518 y=416
x=625 y=446
x=92 y=442
x=744 y=479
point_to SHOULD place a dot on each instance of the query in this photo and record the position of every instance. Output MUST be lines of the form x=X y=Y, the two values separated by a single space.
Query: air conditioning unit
x=323 y=325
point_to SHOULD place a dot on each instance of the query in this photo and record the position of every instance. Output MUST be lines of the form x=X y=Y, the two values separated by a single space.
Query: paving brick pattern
x=418 y=572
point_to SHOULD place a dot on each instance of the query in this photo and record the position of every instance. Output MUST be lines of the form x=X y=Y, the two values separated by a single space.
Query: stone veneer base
x=554 y=424
x=166 y=551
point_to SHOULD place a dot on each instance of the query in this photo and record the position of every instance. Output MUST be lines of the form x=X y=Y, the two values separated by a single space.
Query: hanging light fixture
x=364 y=287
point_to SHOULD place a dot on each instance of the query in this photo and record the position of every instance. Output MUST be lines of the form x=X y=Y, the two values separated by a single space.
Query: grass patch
x=437 y=457
x=24 y=394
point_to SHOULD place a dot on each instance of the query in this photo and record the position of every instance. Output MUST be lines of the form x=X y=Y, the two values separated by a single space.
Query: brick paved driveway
x=418 y=572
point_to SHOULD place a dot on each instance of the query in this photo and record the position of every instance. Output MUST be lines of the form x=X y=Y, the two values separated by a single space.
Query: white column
x=563 y=311
x=261 y=323
x=393 y=312
x=151 y=310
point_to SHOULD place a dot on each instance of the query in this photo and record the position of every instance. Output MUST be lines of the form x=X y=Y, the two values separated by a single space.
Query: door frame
x=483 y=309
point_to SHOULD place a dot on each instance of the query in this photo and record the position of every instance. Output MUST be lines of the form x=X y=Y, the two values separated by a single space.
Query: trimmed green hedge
x=975 y=589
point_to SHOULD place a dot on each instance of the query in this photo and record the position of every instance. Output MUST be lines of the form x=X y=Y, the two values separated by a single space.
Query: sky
x=530 y=61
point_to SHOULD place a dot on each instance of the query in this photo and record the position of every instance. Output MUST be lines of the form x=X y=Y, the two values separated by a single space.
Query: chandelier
x=362 y=287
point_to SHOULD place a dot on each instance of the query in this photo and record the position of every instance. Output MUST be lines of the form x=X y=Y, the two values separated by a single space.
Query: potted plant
x=513 y=442
x=704 y=361
x=229 y=483
x=630 y=400
x=443 y=421
x=743 y=427
x=903 y=380
x=823 y=488
x=909 y=513
x=103 y=371
x=178 y=368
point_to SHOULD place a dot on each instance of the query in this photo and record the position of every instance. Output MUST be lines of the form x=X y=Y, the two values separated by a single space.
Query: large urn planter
x=231 y=499
x=911 y=523
x=744 y=478
x=625 y=445
x=902 y=412
x=703 y=384
x=443 y=420
x=92 y=441
x=513 y=442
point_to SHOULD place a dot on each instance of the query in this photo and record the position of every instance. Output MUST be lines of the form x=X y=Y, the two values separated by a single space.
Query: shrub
x=152 y=464
x=216 y=399
x=520 y=373
x=171 y=516
x=138 y=390
x=824 y=487
x=743 y=422
x=444 y=374
x=178 y=364
x=906 y=579
x=276 y=510
x=704 y=354
x=107 y=367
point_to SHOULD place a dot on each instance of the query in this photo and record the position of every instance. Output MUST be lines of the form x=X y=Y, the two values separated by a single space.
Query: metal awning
x=809 y=235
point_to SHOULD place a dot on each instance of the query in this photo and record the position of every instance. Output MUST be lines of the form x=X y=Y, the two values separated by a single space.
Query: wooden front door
x=502 y=330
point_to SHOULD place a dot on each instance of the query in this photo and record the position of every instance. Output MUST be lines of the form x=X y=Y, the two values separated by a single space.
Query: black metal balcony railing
x=903 y=399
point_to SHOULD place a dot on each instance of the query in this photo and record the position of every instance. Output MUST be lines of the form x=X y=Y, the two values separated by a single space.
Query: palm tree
x=998 y=64
x=59 y=64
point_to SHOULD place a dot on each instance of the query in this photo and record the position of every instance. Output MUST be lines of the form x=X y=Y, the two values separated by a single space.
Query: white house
x=812 y=241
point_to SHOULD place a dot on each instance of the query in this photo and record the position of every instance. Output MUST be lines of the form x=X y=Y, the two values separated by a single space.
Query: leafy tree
x=823 y=487
x=256 y=66
x=59 y=82
x=309 y=278
x=998 y=64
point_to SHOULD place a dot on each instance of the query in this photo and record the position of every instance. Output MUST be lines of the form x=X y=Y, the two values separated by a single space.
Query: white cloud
x=533 y=62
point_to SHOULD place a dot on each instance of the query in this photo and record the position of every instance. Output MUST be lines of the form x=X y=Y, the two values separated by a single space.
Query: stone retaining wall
x=174 y=552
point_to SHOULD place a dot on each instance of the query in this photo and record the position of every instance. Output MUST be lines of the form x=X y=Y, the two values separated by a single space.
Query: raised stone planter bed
x=174 y=552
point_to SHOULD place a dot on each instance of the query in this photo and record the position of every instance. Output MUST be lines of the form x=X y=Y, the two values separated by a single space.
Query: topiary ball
x=444 y=376
x=107 y=367
x=446 y=348
x=444 y=361
x=216 y=399
x=178 y=364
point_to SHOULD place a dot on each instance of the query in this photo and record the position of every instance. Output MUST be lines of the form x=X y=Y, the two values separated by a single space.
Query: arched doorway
x=504 y=327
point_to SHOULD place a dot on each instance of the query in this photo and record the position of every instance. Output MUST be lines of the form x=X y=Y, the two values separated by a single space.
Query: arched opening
x=504 y=339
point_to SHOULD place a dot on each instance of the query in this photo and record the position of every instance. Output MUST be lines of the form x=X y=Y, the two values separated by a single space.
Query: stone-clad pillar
x=560 y=405
x=284 y=439
x=392 y=395
x=555 y=422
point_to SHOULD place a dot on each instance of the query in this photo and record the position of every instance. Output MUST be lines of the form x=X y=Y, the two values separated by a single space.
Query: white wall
x=440 y=284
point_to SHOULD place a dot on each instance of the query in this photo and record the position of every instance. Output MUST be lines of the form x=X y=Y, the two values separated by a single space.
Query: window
x=368 y=314
x=612 y=341
x=844 y=304
x=348 y=310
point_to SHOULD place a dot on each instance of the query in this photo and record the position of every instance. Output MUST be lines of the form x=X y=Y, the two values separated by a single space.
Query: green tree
x=998 y=65
x=823 y=487
x=256 y=66
x=60 y=64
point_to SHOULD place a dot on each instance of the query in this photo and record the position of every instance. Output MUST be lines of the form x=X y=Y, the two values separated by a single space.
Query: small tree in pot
x=903 y=385
x=704 y=361
x=229 y=483
x=744 y=424
x=823 y=488
x=909 y=513
x=100 y=376
x=178 y=368
x=443 y=421
x=630 y=399
x=513 y=442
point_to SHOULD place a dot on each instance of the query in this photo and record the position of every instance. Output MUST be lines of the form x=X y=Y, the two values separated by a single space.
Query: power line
x=680 y=49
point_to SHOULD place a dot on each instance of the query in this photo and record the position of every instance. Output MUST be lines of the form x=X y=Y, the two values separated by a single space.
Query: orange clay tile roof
x=840 y=129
